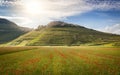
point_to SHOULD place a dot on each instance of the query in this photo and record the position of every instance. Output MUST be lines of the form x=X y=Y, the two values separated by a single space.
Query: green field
x=59 y=60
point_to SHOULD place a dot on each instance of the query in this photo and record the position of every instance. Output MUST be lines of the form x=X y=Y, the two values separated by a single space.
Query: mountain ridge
x=10 y=31
x=61 y=24
x=59 y=33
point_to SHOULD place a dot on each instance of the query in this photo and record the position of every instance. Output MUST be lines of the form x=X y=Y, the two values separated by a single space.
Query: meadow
x=61 y=60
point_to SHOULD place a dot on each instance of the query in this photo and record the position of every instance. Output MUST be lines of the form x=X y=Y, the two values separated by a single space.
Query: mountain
x=59 y=33
x=10 y=31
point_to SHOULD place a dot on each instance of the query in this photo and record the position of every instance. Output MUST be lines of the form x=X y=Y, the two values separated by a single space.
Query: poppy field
x=59 y=60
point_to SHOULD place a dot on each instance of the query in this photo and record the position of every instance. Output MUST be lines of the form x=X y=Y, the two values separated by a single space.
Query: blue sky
x=96 y=19
x=103 y=15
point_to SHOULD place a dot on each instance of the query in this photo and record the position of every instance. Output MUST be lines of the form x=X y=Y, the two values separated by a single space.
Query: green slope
x=60 y=33
x=10 y=31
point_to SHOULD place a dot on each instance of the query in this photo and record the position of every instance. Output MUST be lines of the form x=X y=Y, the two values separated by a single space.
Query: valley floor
x=48 y=60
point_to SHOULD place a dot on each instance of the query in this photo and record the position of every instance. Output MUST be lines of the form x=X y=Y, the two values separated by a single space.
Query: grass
x=65 y=36
x=50 y=60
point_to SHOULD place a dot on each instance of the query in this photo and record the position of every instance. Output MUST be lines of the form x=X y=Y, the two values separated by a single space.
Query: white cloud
x=105 y=4
x=112 y=29
x=21 y=21
x=11 y=17
x=8 y=3
x=55 y=9
x=61 y=8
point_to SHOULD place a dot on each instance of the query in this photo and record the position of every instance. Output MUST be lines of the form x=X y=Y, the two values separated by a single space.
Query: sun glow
x=34 y=7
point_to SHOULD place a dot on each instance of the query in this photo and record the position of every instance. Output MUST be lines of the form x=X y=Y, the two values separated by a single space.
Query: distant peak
x=60 y=24
x=3 y=20
x=56 y=23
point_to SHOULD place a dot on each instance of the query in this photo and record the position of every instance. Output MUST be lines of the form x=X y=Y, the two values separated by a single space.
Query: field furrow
x=60 y=61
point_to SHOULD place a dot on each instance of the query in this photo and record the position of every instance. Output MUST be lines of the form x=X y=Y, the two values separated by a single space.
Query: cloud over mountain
x=50 y=10
x=113 y=29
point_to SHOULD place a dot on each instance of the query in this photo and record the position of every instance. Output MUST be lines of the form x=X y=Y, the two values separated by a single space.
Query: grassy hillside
x=59 y=61
x=60 y=33
x=10 y=31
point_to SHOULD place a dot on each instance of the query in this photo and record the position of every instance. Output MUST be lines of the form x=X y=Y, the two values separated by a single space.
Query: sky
x=102 y=15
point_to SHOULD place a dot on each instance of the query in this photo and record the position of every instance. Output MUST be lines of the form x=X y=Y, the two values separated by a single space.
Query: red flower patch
x=61 y=54
x=47 y=65
x=31 y=61
x=95 y=62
